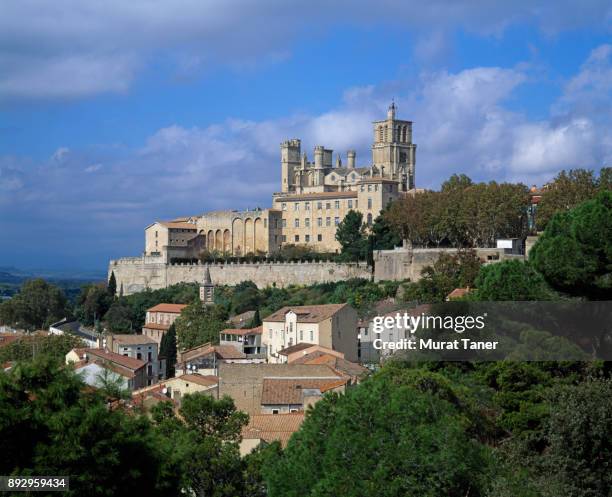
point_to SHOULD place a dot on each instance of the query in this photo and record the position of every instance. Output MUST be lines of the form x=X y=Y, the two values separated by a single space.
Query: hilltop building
x=314 y=197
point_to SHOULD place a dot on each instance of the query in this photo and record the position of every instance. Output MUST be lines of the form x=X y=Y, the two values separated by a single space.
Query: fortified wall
x=405 y=263
x=135 y=274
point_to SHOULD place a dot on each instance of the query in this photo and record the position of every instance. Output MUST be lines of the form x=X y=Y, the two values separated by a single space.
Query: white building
x=333 y=326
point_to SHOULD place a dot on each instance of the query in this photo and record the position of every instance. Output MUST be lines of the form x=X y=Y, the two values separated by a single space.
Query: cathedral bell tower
x=393 y=152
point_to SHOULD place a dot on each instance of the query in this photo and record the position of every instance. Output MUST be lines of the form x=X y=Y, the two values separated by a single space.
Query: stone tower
x=393 y=152
x=207 y=289
x=290 y=161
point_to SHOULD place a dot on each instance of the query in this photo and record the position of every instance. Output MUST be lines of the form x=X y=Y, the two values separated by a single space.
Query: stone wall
x=404 y=263
x=135 y=274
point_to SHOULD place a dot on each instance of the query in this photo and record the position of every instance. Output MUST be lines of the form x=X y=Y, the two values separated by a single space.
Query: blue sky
x=115 y=114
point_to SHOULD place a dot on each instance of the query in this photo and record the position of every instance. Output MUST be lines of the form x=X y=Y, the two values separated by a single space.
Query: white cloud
x=77 y=48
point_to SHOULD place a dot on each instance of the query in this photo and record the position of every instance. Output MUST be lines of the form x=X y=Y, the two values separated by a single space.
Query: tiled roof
x=105 y=355
x=338 y=364
x=306 y=313
x=242 y=331
x=271 y=427
x=173 y=308
x=289 y=391
x=457 y=293
x=205 y=380
x=221 y=351
x=295 y=348
x=133 y=339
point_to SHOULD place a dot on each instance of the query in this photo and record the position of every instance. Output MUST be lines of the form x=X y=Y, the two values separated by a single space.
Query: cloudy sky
x=115 y=114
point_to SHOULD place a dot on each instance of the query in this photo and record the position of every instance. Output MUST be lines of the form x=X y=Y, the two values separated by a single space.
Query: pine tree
x=167 y=349
x=351 y=236
x=256 y=321
x=112 y=285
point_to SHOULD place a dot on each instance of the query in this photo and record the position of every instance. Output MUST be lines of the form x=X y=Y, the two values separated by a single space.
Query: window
x=328 y=205
x=307 y=222
x=375 y=188
x=361 y=188
x=311 y=336
x=149 y=356
x=270 y=332
x=328 y=221
x=319 y=238
x=369 y=188
x=284 y=223
x=307 y=206
x=274 y=411
x=284 y=206
x=319 y=205
x=139 y=356
x=319 y=221
x=297 y=238
x=307 y=238
x=284 y=238
x=369 y=219
x=296 y=223
x=156 y=234
x=369 y=203
x=350 y=204
x=336 y=221
x=296 y=206
x=337 y=204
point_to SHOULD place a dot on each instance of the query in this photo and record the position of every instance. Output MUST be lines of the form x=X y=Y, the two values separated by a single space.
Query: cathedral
x=314 y=198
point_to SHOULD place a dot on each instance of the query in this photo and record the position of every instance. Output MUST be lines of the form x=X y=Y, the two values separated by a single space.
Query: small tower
x=207 y=289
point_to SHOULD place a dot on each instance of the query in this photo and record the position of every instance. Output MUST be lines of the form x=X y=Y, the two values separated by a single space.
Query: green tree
x=566 y=191
x=120 y=317
x=50 y=424
x=402 y=433
x=167 y=349
x=575 y=251
x=511 y=280
x=112 y=285
x=199 y=324
x=351 y=236
x=246 y=297
x=256 y=321
x=204 y=444
x=93 y=303
x=448 y=272
x=37 y=305
x=383 y=236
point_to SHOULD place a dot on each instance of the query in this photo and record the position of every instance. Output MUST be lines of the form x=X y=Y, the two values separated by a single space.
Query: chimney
x=350 y=163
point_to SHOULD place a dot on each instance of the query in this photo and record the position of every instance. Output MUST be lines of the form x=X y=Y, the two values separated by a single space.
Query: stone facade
x=405 y=263
x=313 y=199
x=135 y=274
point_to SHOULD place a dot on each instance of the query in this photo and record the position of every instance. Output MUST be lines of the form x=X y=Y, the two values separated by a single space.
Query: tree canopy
x=575 y=251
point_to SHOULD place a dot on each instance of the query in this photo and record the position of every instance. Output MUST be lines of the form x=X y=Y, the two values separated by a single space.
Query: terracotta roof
x=242 y=331
x=316 y=196
x=289 y=391
x=271 y=427
x=133 y=339
x=7 y=339
x=105 y=355
x=205 y=380
x=338 y=364
x=174 y=308
x=306 y=313
x=457 y=293
x=295 y=348
x=221 y=351
x=155 y=326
